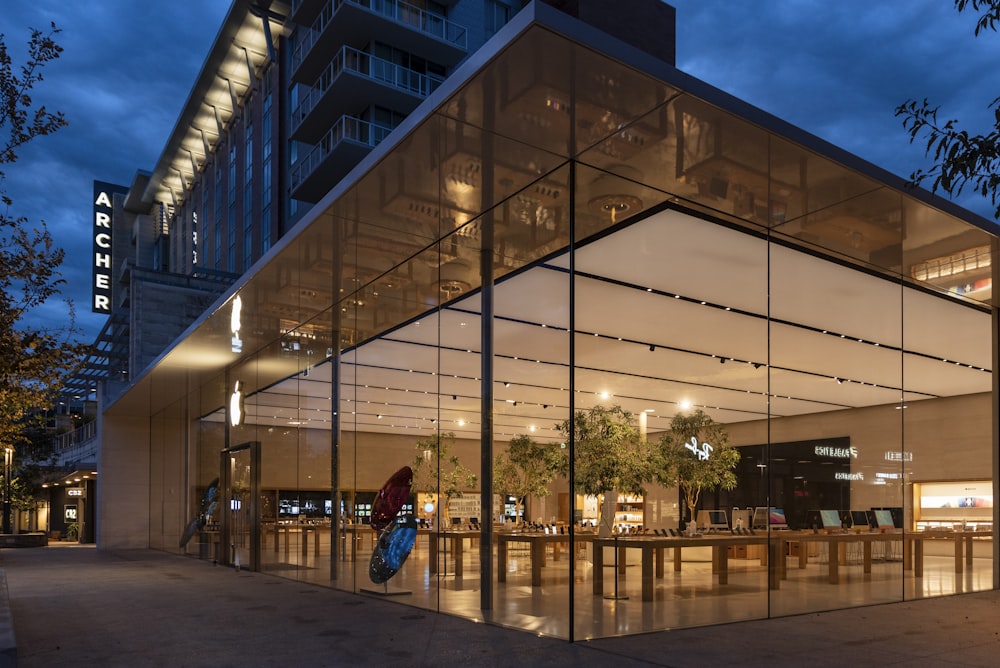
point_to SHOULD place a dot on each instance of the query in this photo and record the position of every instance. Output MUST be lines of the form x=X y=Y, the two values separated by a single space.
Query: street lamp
x=8 y=460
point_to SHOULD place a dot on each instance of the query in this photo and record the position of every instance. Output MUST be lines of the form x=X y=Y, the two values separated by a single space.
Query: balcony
x=357 y=22
x=341 y=148
x=354 y=75
x=304 y=12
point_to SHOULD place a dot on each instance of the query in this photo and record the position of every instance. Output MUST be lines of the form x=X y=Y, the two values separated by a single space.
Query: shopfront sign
x=701 y=451
x=836 y=453
x=898 y=456
x=102 y=250
x=78 y=492
x=844 y=475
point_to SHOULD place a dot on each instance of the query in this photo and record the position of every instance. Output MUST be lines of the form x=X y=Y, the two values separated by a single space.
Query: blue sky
x=836 y=69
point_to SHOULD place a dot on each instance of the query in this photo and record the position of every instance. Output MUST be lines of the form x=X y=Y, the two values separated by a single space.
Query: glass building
x=569 y=223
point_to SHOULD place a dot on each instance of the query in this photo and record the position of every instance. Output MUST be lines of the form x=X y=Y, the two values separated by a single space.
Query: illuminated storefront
x=559 y=228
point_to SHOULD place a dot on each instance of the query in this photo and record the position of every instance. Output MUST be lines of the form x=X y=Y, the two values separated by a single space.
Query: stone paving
x=78 y=606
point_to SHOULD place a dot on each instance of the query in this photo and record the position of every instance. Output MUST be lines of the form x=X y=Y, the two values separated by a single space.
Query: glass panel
x=946 y=254
x=943 y=467
x=527 y=93
x=836 y=380
x=670 y=345
x=533 y=503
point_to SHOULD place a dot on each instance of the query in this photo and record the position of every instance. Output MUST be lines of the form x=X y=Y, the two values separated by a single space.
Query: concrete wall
x=123 y=485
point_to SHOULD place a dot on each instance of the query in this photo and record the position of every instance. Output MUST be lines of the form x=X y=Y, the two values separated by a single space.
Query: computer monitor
x=830 y=518
x=814 y=520
x=883 y=519
x=713 y=519
x=759 y=517
x=859 y=518
x=776 y=518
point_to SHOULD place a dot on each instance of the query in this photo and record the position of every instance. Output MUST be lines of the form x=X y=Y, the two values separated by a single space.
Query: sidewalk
x=76 y=606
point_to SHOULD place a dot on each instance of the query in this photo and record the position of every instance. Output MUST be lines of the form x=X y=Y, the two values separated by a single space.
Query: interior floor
x=686 y=598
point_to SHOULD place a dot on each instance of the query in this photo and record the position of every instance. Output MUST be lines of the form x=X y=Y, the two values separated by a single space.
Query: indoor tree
x=527 y=467
x=695 y=455
x=610 y=456
x=436 y=469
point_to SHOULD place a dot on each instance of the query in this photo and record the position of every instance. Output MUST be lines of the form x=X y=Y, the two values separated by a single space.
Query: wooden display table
x=653 y=555
x=537 y=543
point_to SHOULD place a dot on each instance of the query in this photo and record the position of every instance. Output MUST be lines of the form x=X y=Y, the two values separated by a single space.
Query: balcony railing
x=372 y=67
x=347 y=128
x=433 y=25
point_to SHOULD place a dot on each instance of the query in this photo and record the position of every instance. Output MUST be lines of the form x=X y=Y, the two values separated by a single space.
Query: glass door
x=240 y=477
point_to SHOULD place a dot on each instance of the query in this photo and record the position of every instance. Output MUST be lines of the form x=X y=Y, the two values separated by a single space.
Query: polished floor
x=690 y=597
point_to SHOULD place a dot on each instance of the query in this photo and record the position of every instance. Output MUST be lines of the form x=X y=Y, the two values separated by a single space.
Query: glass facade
x=574 y=259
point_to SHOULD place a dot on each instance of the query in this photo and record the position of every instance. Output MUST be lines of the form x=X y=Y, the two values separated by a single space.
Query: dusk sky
x=836 y=69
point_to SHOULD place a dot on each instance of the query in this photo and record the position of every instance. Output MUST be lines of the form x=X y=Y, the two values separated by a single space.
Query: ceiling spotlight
x=454 y=397
x=515 y=403
x=839 y=381
x=545 y=406
x=506 y=384
x=378 y=417
x=722 y=360
x=651 y=347
x=756 y=365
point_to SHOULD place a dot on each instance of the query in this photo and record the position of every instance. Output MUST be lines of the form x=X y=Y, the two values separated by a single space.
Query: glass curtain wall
x=673 y=287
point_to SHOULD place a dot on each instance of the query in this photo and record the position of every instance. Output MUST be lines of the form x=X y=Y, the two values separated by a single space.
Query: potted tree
x=610 y=457
x=527 y=467
x=437 y=470
x=694 y=455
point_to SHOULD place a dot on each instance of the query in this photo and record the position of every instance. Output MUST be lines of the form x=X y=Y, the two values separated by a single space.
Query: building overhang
x=245 y=42
x=553 y=111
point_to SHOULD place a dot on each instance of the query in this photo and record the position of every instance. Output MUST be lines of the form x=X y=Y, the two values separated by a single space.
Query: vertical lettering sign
x=103 y=226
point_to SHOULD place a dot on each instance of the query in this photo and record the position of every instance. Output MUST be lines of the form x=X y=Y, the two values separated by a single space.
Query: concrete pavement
x=77 y=606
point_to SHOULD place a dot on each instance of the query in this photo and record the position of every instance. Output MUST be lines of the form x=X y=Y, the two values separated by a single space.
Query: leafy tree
x=682 y=459
x=436 y=469
x=962 y=159
x=34 y=360
x=610 y=456
x=527 y=467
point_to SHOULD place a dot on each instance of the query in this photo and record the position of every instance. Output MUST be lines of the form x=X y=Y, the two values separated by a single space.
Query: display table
x=653 y=548
x=301 y=528
x=537 y=543
x=454 y=539
x=836 y=547
x=963 y=545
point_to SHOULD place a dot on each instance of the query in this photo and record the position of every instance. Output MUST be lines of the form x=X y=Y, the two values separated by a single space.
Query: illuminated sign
x=898 y=456
x=236 y=406
x=235 y=324
x=836 y=453
x=75 y=491
x=848 y=476
x=102 y=250
x=702 y=451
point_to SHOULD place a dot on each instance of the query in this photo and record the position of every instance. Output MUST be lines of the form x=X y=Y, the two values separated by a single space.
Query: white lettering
x=101 y=281
x=848 y=476
x=103 y=240
x=102 y=220
x=837 y=453
x=898 y=456
x=102 y=303
x=102 y=260
x=702 y=452
x=103 y=200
